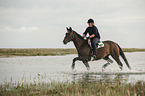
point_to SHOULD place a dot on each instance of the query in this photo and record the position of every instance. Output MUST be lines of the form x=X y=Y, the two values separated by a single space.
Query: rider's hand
x=87 y=37
x=84 y=35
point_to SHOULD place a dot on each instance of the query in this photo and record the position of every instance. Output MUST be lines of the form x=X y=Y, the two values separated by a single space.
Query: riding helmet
x=90 y=21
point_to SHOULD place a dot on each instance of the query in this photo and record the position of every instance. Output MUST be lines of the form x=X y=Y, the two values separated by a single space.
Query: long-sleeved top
x=92 y=30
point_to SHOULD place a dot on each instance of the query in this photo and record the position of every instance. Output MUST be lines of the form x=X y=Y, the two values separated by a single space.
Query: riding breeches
x=94 y=45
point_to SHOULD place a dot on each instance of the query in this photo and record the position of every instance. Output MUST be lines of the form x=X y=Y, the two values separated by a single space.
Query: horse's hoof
x=130 y=68
x=72 y=67
x=103 y=69
x=121 y=68
x=88 y=68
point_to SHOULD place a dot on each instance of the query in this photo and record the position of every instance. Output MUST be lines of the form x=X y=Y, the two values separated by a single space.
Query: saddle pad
x=100 y=44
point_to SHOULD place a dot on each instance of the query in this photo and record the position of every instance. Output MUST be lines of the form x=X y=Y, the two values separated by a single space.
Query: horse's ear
x=67 y=28
x=70 y=29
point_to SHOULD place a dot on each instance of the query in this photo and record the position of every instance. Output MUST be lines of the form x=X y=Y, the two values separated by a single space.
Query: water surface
x=59 y=68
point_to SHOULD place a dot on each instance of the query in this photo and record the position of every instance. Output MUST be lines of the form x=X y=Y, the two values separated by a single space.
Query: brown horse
x=85 y=51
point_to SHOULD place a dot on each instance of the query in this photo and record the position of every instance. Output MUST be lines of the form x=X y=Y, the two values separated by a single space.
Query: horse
x=84 y=50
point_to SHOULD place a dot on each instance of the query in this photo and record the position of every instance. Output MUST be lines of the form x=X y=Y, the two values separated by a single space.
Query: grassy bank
x=80 y=88
x=35 y=52
x=133 y=50
x=48 y=52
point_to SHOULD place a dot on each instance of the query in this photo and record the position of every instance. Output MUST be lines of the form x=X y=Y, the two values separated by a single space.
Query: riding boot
x=93 y=58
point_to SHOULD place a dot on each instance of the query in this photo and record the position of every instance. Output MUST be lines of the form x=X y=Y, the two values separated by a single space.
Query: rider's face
x=90 y=24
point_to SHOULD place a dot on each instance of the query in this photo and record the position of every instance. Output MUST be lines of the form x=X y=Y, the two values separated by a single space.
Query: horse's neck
x=79 y=42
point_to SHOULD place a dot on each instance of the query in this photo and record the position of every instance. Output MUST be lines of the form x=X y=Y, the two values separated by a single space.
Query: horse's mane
x=79 y=35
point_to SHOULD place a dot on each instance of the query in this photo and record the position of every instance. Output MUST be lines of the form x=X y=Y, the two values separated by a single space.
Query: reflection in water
x=87 y=77
x=57 y=66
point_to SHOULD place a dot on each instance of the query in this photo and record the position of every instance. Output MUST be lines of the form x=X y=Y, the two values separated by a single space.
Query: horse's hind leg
x=119 y=63
x=108 y=62
x=116 y=58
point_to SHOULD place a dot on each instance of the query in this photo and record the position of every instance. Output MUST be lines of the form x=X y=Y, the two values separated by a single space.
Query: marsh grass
x=47 y=52
x=74 y=88
x=35 y=52
x=133 y=50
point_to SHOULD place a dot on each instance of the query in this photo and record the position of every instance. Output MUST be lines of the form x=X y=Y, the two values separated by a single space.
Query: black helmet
x=90 y=21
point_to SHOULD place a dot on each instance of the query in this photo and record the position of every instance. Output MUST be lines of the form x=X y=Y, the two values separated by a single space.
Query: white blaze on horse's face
x=68 y=36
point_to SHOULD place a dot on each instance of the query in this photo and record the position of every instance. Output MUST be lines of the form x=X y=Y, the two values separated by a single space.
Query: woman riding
x=94 y=36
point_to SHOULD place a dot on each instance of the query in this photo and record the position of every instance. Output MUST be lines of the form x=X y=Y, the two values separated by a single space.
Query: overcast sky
x=42 y=23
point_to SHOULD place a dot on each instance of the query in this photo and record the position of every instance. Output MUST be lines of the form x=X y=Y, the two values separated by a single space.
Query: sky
x=42 y=23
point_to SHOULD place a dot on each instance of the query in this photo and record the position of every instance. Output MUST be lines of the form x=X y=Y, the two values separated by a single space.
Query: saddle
x=100 y=44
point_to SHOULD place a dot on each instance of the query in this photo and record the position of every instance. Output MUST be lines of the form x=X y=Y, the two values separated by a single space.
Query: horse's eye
x=66 y=33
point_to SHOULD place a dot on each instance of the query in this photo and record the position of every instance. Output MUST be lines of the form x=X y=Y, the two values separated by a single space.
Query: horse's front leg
x=74 y=60
x=86 y=64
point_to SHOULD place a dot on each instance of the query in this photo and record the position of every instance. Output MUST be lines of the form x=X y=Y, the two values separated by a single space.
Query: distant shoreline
x=10 y=52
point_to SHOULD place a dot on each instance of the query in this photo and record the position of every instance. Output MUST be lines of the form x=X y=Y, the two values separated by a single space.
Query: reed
x=47 y=51
x=79 y=88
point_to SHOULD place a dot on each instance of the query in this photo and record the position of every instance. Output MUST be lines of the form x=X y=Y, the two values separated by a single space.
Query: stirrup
x=93 y=57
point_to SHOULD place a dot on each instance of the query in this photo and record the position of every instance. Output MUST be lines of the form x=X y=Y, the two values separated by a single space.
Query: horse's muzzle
x=64 y=42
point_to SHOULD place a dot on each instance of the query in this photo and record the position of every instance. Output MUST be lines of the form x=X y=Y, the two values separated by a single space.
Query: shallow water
x=58 y=68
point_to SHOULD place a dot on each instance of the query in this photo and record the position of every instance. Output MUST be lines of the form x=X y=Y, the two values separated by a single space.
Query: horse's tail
x=123 y=56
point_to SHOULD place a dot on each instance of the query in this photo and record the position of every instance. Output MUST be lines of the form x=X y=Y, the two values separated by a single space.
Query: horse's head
x=69 y=36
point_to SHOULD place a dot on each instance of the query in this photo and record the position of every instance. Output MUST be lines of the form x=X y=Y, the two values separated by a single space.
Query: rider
x=94 y=36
